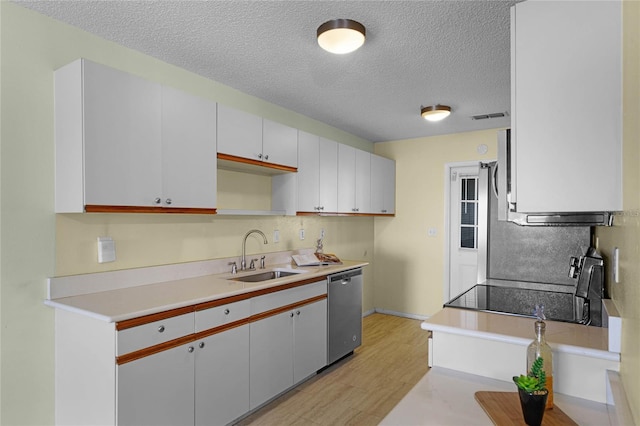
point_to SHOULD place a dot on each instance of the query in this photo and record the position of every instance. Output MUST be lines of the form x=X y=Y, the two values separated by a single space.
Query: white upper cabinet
x=317 y=174
x=189 y=172
x=279 y=143
x=124 y=142
x=248 y=136
x=354 y=180
x=239 y=133
x=114 y=119
x=383 y=185
x=566 y=105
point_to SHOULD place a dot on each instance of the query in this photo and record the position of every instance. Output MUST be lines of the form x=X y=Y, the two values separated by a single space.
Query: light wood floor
x=361 y=389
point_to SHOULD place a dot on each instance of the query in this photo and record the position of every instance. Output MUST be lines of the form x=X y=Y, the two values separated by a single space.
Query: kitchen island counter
x=494 y=345
x=446 y=397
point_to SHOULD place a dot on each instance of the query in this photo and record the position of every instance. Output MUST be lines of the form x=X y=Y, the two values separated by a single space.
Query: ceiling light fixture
x=341 y=36
x=435 y=113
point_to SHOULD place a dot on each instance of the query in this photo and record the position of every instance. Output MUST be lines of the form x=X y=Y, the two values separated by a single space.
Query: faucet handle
x=234 y=267
x=252 y=265
x=262 y=262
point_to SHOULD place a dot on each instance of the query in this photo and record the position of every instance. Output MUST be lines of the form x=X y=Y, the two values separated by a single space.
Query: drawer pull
x=190 y=349
x=226 y=312
x=201 y=345
x=161 y=329
x=297 y=312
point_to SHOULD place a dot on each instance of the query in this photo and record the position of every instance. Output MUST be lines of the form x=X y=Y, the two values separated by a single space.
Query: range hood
x=507 y=211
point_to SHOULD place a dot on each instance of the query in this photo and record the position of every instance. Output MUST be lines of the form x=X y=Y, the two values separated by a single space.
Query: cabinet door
x=308 y=172
x=328 y=184
x=239 y=133
x=310 y=339
x=157 y=389
x=222 y=376
x=383 y=185
x=279 y=143
x=189 y=167
x=346 y=179
x=121 y=138
x=363 y=182
x=568 y=156
x=271 y=357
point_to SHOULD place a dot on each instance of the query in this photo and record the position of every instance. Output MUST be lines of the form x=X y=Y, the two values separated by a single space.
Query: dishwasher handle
x=345 y=277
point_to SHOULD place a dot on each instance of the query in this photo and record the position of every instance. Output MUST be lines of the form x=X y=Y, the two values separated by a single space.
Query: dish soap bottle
x=540 y=348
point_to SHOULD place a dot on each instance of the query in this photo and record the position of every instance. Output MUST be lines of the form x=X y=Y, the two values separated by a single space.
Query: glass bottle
x=540 y=348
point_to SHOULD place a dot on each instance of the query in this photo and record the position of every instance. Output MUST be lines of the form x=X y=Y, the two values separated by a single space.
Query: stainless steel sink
x=267 y=275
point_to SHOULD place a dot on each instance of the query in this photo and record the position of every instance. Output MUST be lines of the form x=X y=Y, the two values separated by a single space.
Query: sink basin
x=267 y=275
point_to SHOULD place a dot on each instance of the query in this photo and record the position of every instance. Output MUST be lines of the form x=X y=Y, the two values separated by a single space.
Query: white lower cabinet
x=209 y=364
x=285 y=349
x=157 y=389
x=222 y=377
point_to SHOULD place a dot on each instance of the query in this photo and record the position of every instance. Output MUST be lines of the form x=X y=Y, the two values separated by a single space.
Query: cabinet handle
x=168 y=201
x=297 y=312
x=157 y=200
x=161 y=329
x=266 y=157
x=226 y=312
x=291 y=314
x=190 y=349
x=201 y=345
x=260 y=156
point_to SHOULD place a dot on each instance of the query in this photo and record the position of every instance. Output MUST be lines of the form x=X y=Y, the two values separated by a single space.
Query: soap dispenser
x=540 y=348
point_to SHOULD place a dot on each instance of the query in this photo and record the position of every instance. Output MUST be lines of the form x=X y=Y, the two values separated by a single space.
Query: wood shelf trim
x=151 y=350
x=268 y=165
x=343 y=214
x=134 y=322
x=221 y=328
x=286 y=308
x=92 y=208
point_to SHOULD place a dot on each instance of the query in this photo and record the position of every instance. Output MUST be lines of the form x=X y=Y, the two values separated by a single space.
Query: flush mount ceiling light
x=435 y=113
x=341 y=36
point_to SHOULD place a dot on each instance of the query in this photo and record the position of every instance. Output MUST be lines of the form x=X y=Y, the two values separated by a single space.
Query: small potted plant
x=533 y=393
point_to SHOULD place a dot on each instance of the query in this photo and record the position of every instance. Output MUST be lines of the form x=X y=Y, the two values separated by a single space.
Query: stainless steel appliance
x=521 y=266
x=344 y=314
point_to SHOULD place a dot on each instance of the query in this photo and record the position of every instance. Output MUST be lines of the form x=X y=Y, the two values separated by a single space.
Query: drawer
x=153 y=333
x=287 y=297
x=221 y=315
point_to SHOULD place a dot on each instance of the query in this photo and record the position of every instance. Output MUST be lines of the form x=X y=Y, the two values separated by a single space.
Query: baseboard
x=399 y=314
x=617 y=403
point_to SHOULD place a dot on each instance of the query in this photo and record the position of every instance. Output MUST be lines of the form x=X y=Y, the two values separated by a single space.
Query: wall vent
x=492 y=115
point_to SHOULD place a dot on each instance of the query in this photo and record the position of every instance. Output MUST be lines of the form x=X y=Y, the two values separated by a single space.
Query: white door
x=463 y=230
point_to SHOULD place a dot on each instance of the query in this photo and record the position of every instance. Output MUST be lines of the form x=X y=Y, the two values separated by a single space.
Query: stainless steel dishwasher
x=345 y=314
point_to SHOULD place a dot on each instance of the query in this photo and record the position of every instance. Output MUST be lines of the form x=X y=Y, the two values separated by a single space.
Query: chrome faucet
x=243 y=262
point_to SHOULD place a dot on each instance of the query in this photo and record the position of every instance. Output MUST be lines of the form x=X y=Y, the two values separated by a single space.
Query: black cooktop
x=558 y=305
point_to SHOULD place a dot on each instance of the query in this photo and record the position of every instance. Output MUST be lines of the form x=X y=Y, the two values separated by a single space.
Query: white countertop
x=118 y=304
x=447 y=397
x=561 y=336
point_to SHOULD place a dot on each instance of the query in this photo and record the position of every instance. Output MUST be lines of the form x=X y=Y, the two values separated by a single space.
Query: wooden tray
x=503 y=408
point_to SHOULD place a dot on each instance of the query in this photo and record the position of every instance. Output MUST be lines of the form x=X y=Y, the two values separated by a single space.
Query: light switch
x=616 y=265
x=276 y=236
x=106 y=250
x=302 y=234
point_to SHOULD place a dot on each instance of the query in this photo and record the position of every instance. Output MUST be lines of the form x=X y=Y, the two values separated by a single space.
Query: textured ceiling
x=416 y=53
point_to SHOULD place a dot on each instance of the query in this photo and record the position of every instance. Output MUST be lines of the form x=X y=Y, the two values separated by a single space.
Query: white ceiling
x=416 y=53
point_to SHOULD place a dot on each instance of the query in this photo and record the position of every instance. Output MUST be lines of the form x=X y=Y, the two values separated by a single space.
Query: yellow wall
x=625 y=233
x=409 y=266
x=36 y=244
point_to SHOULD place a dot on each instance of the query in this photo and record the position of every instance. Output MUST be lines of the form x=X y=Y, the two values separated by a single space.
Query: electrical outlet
x=276 y=236
x=302 y=234
x=106 y=250
x=321 y=232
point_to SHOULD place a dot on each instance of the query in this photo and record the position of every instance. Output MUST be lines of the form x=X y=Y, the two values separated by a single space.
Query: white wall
x=36 y=244
x=409 y=267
